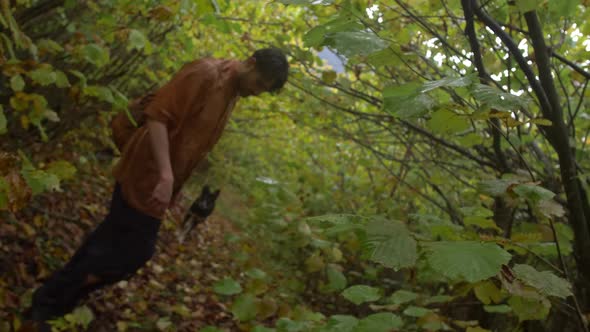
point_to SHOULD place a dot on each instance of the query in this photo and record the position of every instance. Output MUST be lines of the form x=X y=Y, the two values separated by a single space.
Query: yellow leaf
x=527 y=237
x=38 y=220
x=24 y=121
x=510 y=122
x=336 y=254
x=19 y=101
x=16 y=323
x=121 y=326
x=267 y=308
x=30 y=231
x=181 y=310
x=257 y=286
x=577 y=76
x=487 y=292
x=430 y=319
x=499 y=114
x=329 y=76
x=141 y=305
x=542 y=122
x=465 y=323
x=161 y=13
x=314 y=263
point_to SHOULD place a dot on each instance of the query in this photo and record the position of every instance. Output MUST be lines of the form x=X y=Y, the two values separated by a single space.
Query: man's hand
x=162 y=194
x=175 y=201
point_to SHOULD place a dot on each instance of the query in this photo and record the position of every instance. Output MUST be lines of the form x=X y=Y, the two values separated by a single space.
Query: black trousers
x=114 y=251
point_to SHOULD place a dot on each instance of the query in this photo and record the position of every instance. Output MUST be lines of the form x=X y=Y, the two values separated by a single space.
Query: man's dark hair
x=272 y=64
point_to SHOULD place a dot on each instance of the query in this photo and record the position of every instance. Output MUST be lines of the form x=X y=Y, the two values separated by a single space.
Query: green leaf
x=533 y=192
x=414 y=311
x=96 y=55
x=61 y=79
x=245 y=307
x=316 y=36
x=288 y=325
x=529 y=308
x=351 y=43
x=565 y=236
x=120 y=100
x=332 y=219
x=261 y=328
x=346 y=222
x=205 y=6
x=447 y=122
x=336 y=280
x=101 y=92
x=83 y=316
x=137 y=40
x=44 y=75
x=341 y=323
x=406 y=101
x=546 y=282
x=391 y=244
x=438 y=299
x=402 y=296
x=39 y=180
x=50 y=46
x=402 y=92
x=164 y=322
x=497 y=187
x=450 y=82
x=499 y=309
x=212 y=329
x=478 y=216
x=564 y=8
x=17 y=83
x=550 y=207
x=527 y=5
x=361 y=293
x=3 y=121
x=381 y=322
x=477 y=211
x=256 y=274
x=221 y=25
x=384 y=57
x=227 y=286
x=81 y=77
x=306 y=2
x=497 y=99
x=62 y=169
x=296 y=2
x=470 y=140
x=466 y=260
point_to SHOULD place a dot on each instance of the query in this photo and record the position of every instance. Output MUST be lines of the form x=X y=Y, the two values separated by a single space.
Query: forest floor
x=173 y=292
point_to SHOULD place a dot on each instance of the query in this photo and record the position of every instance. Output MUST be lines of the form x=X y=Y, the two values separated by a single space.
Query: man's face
x=252 y=83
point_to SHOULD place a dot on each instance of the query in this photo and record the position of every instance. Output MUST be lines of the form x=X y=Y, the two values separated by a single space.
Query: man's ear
x=251 y=63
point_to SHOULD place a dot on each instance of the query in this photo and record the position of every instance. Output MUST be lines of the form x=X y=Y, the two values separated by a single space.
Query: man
x=184 y=119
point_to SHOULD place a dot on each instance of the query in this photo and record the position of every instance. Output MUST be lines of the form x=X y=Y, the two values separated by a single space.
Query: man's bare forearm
x=160 y=147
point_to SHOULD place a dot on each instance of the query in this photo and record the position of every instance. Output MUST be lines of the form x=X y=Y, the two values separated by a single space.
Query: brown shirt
x=195 y=107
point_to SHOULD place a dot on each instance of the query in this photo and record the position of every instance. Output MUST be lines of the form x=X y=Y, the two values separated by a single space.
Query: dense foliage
x=437 y=182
